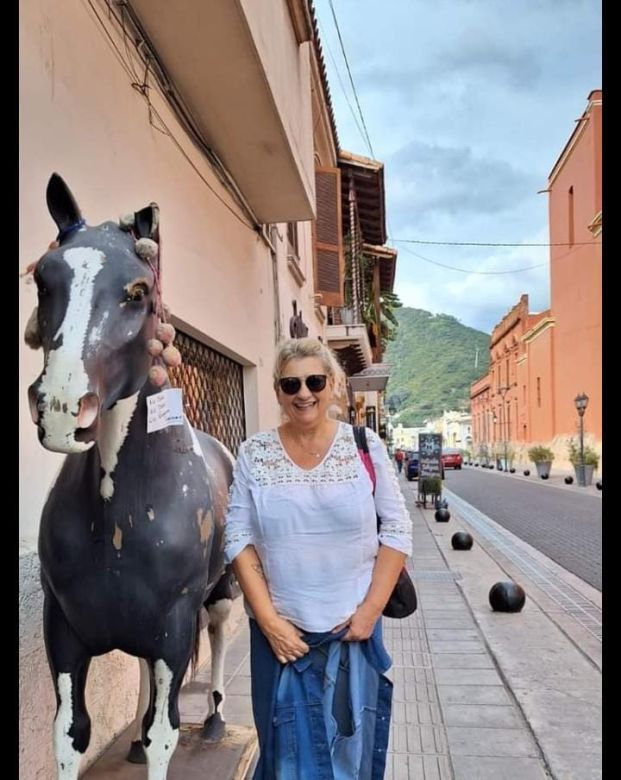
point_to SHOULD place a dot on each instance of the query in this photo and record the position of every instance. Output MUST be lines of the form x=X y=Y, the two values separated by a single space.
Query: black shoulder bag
x=402 y=601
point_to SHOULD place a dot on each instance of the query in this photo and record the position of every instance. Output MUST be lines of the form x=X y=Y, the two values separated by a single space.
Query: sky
x=468 y=103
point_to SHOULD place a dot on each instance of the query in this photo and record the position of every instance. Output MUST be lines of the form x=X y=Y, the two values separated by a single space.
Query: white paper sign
x=164 y=409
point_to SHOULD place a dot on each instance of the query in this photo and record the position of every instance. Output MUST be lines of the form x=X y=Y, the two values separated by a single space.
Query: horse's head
x=95 y=314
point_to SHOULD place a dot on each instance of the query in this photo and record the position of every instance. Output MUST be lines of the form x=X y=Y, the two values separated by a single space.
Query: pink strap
x=368 y=464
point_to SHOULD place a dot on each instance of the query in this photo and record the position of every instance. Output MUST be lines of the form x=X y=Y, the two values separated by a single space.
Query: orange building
x=539 y=362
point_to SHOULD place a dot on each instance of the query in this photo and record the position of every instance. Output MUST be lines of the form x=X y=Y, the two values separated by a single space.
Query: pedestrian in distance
x=399 y=457
x=302 y=534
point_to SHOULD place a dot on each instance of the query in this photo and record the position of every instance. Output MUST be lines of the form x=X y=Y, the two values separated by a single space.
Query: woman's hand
x=284 y=639
x=361 y=623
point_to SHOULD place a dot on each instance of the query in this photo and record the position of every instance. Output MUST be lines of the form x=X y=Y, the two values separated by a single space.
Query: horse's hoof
x=136 y=753
x=214 y=728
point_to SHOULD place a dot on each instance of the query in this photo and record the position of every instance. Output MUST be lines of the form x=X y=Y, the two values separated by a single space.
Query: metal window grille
x=213 y=391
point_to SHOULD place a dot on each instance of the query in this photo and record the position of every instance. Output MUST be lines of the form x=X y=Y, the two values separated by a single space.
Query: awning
x=368 y=178
x=374 y=377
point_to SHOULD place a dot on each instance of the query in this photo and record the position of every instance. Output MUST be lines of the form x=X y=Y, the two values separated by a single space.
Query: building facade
x=539 y=362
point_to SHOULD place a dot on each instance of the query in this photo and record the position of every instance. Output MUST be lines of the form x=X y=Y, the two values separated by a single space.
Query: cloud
x=468 y=103
x=478 y=300
x=426 y=179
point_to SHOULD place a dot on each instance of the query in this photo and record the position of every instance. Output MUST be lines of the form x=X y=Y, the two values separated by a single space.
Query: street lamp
x=581 y=401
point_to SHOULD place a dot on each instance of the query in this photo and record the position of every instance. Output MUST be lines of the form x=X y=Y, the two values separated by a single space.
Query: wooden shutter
x=328 y=238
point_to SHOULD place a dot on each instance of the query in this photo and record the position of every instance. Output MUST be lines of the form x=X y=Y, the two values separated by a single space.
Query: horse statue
x=131 y=535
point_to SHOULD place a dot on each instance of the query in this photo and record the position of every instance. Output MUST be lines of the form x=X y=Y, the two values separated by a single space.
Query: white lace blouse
x=315 y=530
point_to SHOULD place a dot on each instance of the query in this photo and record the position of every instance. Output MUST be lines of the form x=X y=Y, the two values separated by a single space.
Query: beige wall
x=80 y=117
x=283 y=59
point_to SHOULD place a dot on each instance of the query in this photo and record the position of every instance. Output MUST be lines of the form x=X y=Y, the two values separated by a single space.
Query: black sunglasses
x=290 y=385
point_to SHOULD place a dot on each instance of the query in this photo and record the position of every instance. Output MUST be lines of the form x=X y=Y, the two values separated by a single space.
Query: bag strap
x=360 y=437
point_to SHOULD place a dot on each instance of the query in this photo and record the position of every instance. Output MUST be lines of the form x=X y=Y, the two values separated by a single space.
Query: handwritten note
x=164 y=409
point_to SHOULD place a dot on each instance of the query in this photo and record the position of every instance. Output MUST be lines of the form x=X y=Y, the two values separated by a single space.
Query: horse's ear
x=61 y=204
x=147 y=222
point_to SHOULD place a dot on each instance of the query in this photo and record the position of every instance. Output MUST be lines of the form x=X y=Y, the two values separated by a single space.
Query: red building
x=539 y=362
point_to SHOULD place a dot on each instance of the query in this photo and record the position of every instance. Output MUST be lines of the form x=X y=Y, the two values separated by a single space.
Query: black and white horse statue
x=130 y=541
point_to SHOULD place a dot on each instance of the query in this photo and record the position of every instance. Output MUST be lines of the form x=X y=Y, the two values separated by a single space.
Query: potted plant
x=429 y=486
x=542 y=457
x=504 y=455
x=590 y=460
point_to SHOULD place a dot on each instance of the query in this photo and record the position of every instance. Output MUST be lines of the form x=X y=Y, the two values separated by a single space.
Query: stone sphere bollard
x=569 y=480
x=507 y=597
x=476 y=465
x=461 y=541
x=442 y=515
x=512 y=470
x=491 y=466
x=598 y=484
x=526 y=473
x=545 y=476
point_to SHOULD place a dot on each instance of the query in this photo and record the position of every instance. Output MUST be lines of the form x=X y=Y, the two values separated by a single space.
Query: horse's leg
x=136 y=754
x=69 y=661
x=219 y=611
x=167 y=668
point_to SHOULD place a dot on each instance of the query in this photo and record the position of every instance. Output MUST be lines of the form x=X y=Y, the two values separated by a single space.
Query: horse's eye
x=136 y=293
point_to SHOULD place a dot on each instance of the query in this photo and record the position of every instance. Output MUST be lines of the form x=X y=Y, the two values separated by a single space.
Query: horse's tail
x=197 y=644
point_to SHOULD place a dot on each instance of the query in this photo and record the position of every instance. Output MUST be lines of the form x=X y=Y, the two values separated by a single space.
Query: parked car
x=411 y=469
x=452 y=458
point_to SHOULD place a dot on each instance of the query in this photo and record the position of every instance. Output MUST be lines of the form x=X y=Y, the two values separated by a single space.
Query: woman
x=301 y=532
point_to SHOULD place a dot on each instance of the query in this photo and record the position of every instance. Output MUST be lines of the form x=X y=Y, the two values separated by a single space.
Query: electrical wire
x=478 y=243
x=143 y=89
x=351 y=80
x=480 y=273
x=340 y=80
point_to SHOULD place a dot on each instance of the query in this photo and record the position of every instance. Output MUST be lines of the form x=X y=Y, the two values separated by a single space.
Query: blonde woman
x=301 y=532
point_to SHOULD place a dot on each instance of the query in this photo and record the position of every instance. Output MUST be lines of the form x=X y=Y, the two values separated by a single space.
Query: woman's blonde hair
x=296 y=349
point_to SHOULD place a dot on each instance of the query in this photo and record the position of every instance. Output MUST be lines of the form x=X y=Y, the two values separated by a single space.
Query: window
x=570 y=215
x=538 y=391
x=292 y=238
x=293 y=254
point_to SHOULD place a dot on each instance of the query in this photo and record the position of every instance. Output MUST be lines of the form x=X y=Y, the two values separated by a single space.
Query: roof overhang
x=374 y=377
x=387 y=258
x=243 y=95
x=368 y=179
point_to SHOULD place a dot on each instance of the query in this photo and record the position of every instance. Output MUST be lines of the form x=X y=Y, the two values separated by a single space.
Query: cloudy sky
x=468 y=103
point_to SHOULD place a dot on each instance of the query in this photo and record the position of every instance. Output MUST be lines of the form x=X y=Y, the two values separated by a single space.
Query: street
x=562 y=523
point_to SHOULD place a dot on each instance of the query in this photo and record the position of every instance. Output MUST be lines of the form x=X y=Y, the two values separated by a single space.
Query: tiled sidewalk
x=453 y=716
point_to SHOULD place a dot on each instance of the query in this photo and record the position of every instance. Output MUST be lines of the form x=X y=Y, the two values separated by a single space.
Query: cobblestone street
x=560 y=521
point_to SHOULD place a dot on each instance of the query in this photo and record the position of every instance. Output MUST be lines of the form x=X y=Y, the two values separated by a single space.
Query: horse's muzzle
x=65 y=426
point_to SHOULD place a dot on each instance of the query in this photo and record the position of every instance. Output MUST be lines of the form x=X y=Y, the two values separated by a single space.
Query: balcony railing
x=344 y=315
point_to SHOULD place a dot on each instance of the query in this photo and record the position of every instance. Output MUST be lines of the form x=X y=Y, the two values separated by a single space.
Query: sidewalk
x=480 y=695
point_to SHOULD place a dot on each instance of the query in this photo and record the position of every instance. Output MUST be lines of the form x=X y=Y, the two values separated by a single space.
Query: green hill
x=433 y=364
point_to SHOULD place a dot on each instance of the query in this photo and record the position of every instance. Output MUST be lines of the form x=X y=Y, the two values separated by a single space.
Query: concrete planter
x=543 y=468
